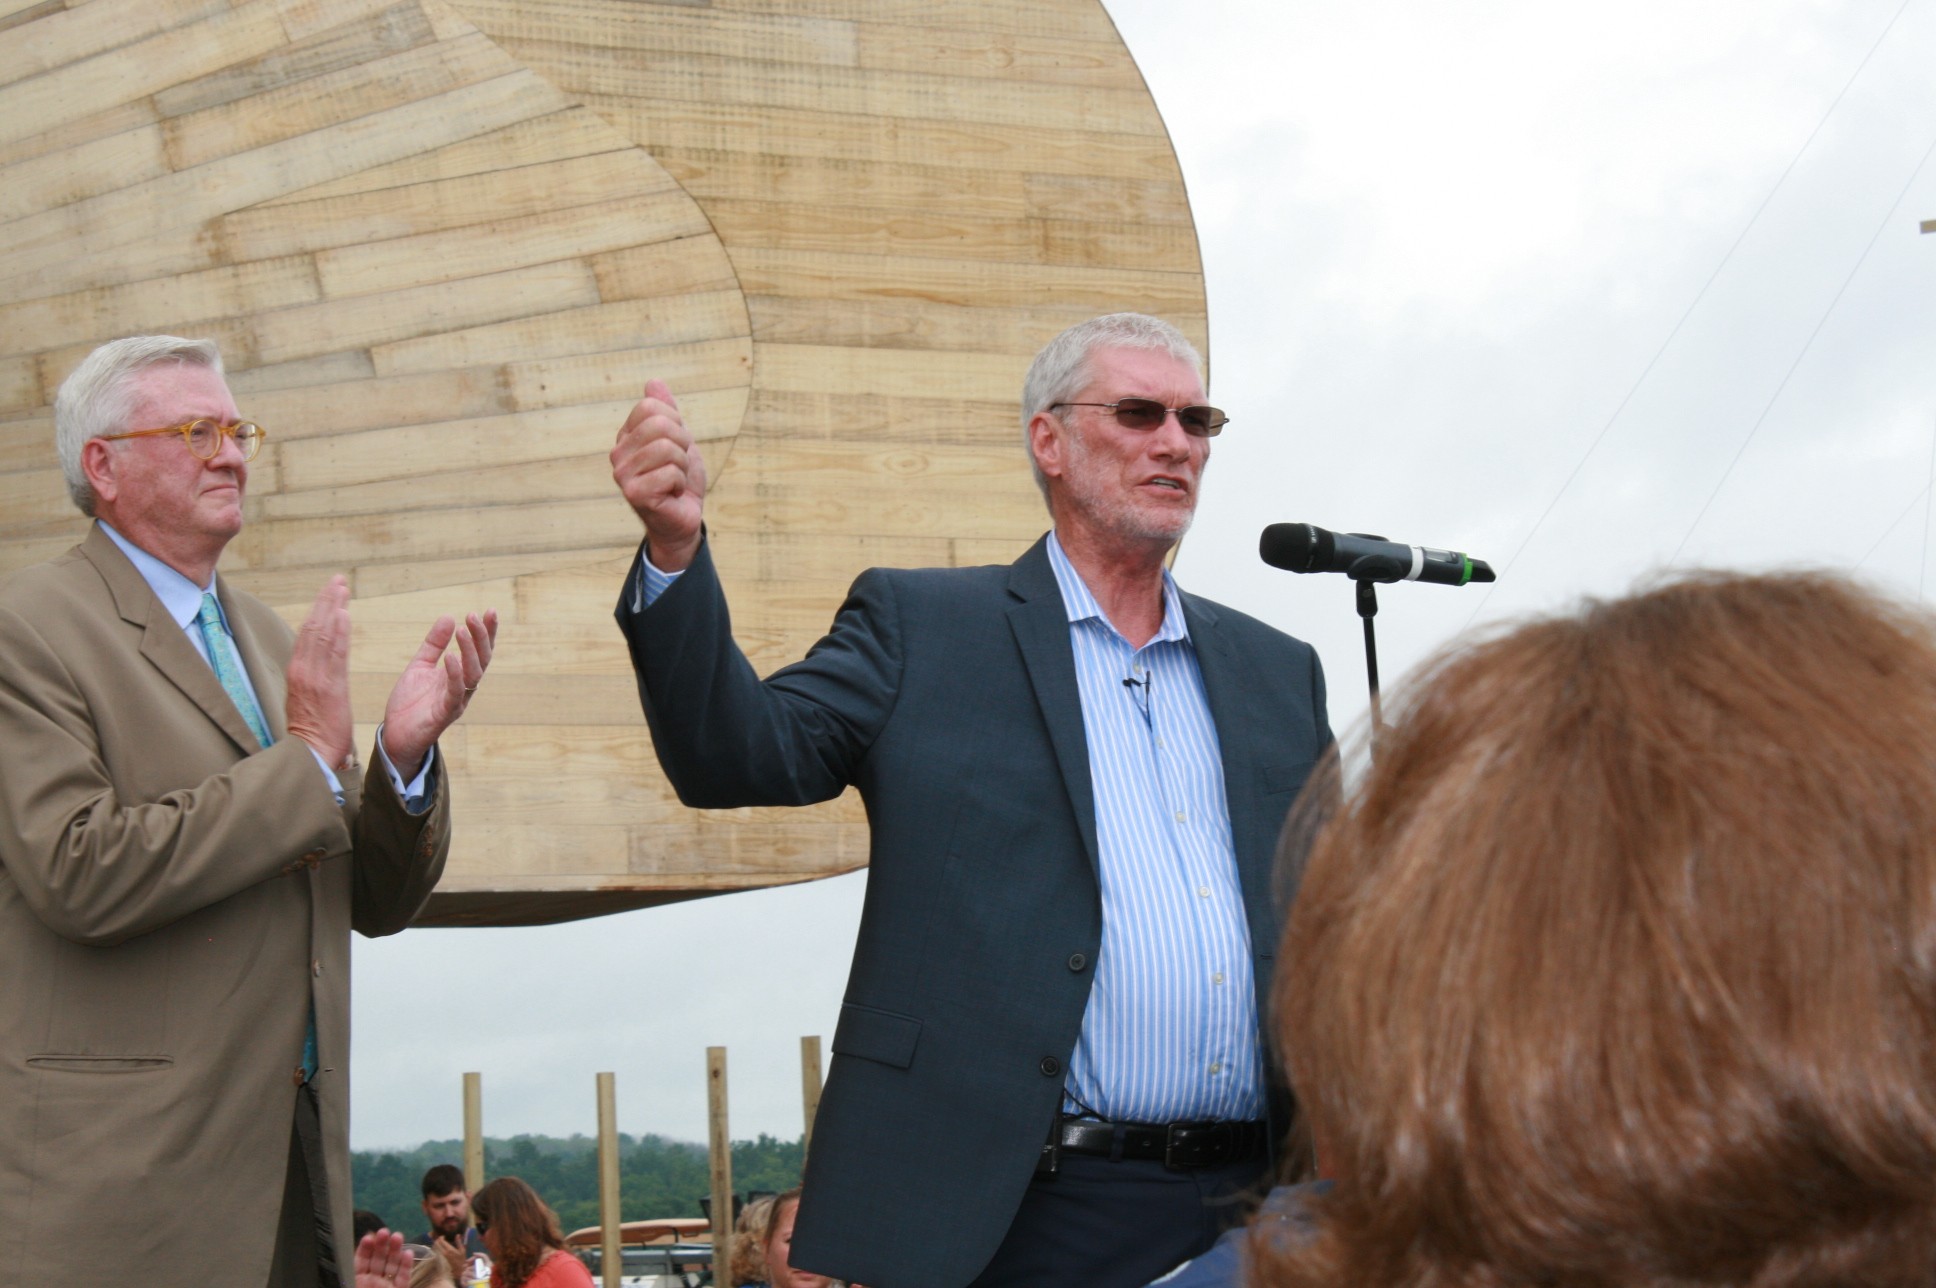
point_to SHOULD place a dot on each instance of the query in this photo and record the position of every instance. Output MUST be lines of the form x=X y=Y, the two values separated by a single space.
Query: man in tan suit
x=186 y=842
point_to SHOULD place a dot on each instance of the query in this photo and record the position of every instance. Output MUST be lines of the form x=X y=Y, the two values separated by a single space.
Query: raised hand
x=435 y=688
x=318 y=677
x=659 y=469
x=381 y=1261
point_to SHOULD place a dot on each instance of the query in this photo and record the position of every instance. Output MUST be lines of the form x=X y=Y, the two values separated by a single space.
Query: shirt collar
x=1082 y=605
x=180 y=596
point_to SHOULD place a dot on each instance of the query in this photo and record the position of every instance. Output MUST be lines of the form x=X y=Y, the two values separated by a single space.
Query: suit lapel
x=1040 y=622
x=164 y=644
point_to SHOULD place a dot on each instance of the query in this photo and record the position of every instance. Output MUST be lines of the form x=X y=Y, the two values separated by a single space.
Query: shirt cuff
x=335 y=783
x=415 y=794
x=651 y=584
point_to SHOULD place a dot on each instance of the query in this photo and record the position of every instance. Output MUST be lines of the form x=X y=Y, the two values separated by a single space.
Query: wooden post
x=473 y=1132
x=608 y=1209
x=809 y=1086
x=720 y=1145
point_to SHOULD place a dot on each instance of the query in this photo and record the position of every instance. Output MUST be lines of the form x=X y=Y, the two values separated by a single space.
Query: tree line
x=657 y=1177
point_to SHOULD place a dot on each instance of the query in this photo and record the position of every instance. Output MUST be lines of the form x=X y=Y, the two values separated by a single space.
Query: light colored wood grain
x=444 y=243
x=818 y=130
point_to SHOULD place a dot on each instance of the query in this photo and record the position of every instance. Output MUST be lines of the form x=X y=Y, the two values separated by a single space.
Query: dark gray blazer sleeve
x=727 y=738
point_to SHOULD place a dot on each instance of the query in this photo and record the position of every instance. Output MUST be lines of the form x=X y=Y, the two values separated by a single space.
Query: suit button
x=316 y=969
x=1077 y=961
x=1050 y=1066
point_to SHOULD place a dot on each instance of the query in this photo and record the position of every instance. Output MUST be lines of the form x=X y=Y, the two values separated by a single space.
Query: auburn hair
x=523 y=1227
x=1618 y=967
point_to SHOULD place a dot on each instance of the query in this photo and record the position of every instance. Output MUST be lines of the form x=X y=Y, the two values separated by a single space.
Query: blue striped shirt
x=1170 y=1032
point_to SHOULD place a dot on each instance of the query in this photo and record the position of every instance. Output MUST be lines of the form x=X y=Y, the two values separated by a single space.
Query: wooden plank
x=87 y=170
x=67 y=36
x=909 y=323
x=284 y=111
x=968 y=283
x=997 y=53
x=1106 y=200
x=818 y=41
x=101 y=224
x=949 y=234
x=860 y=417
x=169 y=252
x=556 y=136
x=305 y=20
x=973 y=494
x=815 y=131
x=166 y=304
x=19 y=390
x=908 y=373
x=363 y=320
x=35 y=497
x=299 y=411
x=674 y=80
x=84 y=129
x=664 y=268
x=601 y=328
x=636 y=217
x=301 y=227
x=455 y=533
x=355 y=40
x=409 y=452
x=18 y=13
x=1089 y=22
x=812 y=181
x=76 y=90
x=797 y=847
x=555 y=382
x=325 y=369
x=383 y=579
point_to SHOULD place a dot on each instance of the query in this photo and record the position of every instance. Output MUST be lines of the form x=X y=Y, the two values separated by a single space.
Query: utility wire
x=1820 y=322
x=1699 y=295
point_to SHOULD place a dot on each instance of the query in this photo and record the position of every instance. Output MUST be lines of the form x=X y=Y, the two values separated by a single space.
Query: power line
x=1580 y=466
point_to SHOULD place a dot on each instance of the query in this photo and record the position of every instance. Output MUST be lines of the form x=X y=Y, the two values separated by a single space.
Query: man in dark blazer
x=1047 y=1068
x=186 y=843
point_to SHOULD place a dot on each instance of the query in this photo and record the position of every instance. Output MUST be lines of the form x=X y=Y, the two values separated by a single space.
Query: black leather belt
x=1178 y=1146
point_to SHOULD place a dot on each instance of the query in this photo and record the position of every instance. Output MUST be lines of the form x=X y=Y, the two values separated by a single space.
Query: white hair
x=1061 y=369
x=97 y=397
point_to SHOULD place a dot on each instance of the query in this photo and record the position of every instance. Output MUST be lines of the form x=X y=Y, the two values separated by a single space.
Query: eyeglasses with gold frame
x=204 y=437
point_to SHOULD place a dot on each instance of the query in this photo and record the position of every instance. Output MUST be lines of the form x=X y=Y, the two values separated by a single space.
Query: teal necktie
x=228 y=669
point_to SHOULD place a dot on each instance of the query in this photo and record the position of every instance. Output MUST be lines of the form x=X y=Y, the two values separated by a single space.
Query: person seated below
x=1618 y=965
x=527 y=1248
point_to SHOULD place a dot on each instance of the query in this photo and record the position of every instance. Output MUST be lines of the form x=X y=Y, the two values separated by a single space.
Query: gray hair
x=1061 y=369
x=97 y=397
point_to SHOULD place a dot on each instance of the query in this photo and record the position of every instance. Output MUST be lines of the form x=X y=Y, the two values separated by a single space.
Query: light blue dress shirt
x=183 y=600
x=1170 y=1032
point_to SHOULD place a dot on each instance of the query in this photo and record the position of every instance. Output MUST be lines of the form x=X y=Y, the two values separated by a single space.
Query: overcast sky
x=1585 y=291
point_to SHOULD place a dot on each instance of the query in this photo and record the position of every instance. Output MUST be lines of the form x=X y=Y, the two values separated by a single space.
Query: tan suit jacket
x=172 y=900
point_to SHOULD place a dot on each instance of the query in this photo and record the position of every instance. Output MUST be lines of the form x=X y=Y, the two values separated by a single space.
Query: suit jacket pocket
x=882 y=1036
x=100 y=1063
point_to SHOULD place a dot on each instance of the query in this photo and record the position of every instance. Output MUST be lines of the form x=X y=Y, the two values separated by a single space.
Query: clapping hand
x=435 y=688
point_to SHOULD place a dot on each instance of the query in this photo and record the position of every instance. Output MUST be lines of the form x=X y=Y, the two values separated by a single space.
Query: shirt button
x=1159 y=744
x=1050 y=1066
x=1217 y=978
x=1077 y=961
x=1179 y=816
x=1216 y=1067
x=1203 y=892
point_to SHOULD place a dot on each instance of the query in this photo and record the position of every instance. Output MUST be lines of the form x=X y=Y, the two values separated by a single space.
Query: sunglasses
x=1147 y=413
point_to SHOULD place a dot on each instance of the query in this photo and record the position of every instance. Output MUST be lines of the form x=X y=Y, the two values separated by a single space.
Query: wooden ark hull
x=444 y=242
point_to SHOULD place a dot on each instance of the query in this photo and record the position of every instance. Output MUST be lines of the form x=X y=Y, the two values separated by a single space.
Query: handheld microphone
x=1305 y=547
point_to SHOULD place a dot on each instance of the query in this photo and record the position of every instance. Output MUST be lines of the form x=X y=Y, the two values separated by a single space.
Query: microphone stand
x=1368 y=609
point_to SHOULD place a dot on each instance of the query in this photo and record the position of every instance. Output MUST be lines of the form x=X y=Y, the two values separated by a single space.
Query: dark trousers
x=1099 y=1224
x=305 y=1245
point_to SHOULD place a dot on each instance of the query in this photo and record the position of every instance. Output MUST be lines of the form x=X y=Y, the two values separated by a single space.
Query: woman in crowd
x=1619 y=965
x=522 y=1235
x=748 y=1259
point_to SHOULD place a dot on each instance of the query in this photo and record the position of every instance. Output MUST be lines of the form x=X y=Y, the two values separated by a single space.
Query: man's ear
x=1046 y=435
x=98 y=462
